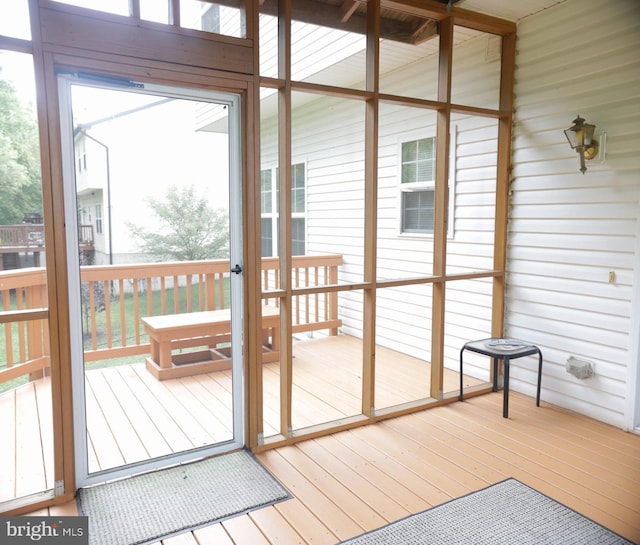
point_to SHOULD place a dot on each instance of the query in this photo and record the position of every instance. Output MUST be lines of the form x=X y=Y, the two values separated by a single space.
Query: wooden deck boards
x=354 y=481
x=26 y=460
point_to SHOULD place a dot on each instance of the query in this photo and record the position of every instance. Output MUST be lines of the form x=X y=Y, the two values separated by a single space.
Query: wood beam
x=327 y=15
x=427 y=30
x=441 y=209
x=371 y=211
x=503 y=180
x=254 y=390
x=347 y=9
x=284 y=231
x=438 y=11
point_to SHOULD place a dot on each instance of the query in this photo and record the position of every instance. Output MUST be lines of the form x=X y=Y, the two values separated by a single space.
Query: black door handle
x=237 y=269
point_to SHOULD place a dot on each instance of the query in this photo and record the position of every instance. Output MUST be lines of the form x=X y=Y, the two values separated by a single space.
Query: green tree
x=20 y=182
x=190 y=228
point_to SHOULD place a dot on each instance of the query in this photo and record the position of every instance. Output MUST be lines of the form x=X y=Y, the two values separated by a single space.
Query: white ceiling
x=513 y=10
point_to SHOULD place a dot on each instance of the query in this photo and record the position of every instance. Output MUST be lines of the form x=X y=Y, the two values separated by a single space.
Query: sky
x=17 y=68
x=15 y=21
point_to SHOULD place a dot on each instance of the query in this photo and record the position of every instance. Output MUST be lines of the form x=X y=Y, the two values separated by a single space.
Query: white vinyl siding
x=335 y=211
x=568 y=231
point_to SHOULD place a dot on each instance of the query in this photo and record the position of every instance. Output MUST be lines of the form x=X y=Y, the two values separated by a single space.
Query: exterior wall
x=335 y=205
x=569 y=231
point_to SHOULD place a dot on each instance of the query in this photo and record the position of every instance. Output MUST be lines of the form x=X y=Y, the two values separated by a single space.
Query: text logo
x=44 y=530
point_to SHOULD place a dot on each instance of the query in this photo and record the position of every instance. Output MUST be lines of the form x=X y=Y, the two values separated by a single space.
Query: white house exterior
x=574 y=245
x=573 y=251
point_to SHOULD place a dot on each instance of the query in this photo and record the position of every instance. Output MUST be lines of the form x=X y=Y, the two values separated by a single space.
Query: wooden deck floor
x=355 y=481
x=131 y=416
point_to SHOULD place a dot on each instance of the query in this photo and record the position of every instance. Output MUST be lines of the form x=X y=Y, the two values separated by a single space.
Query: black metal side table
x=506 y=350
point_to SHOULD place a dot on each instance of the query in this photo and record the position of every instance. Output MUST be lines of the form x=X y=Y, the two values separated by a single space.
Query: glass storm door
x=152 y=198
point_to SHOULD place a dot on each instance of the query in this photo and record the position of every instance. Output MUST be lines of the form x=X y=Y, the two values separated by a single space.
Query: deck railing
x=116 y=297
x=25 y=237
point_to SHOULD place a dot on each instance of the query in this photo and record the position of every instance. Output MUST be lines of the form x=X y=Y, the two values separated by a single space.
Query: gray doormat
x=508 y=513
x=147 y=507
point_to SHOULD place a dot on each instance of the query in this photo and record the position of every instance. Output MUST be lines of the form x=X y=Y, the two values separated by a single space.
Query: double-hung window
x=268 y=206
x=99 y=218
x=269 y=210
x=417 y=185
x=298 y=210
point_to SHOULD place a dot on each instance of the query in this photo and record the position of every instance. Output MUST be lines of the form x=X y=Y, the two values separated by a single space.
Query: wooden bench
x=209 y=328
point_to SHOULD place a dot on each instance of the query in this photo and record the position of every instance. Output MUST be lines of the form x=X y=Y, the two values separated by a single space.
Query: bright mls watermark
x=44 y=530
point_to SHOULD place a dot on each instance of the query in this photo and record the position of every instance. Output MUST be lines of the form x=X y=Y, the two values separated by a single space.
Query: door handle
x=237 y=269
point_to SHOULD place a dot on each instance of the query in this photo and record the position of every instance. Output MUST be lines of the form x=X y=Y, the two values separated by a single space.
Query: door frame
x=632 y=408
x=233 y=101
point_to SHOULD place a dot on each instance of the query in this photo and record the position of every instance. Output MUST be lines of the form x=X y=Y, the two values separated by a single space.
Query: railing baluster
x=21 y=327
x=9 y=342
x=210 y=290
x=163 y=295
x=202 y=291
x=222 y=303
x=149 y=288
x=6 y=305
x=212 y=281
x=317 y=295
x=35 y=348
x=176 y=295
x=189 y=280
x=327 y=272
x=92 y=315
x=107 y=312
x=123 y=320
x=296 y=302
x=136 y=309
x=306 y=297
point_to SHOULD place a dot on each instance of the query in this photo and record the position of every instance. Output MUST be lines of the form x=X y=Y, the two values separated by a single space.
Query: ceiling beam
x=427 y=30
x=346 y=17
x=431 y=9
x=347 y=9
x=439 y=11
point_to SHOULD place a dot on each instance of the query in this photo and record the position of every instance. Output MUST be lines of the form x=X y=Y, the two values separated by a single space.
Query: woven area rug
x=508 y=513
x=147 y=507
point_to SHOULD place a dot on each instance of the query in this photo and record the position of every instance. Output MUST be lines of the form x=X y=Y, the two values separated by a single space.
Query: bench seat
x=208 y=328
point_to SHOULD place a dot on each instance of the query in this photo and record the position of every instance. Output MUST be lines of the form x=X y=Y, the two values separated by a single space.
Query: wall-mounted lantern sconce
x=580 y=136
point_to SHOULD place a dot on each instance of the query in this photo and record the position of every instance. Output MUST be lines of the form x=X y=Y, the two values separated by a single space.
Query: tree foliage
x=20 y=182
x=190 y=228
